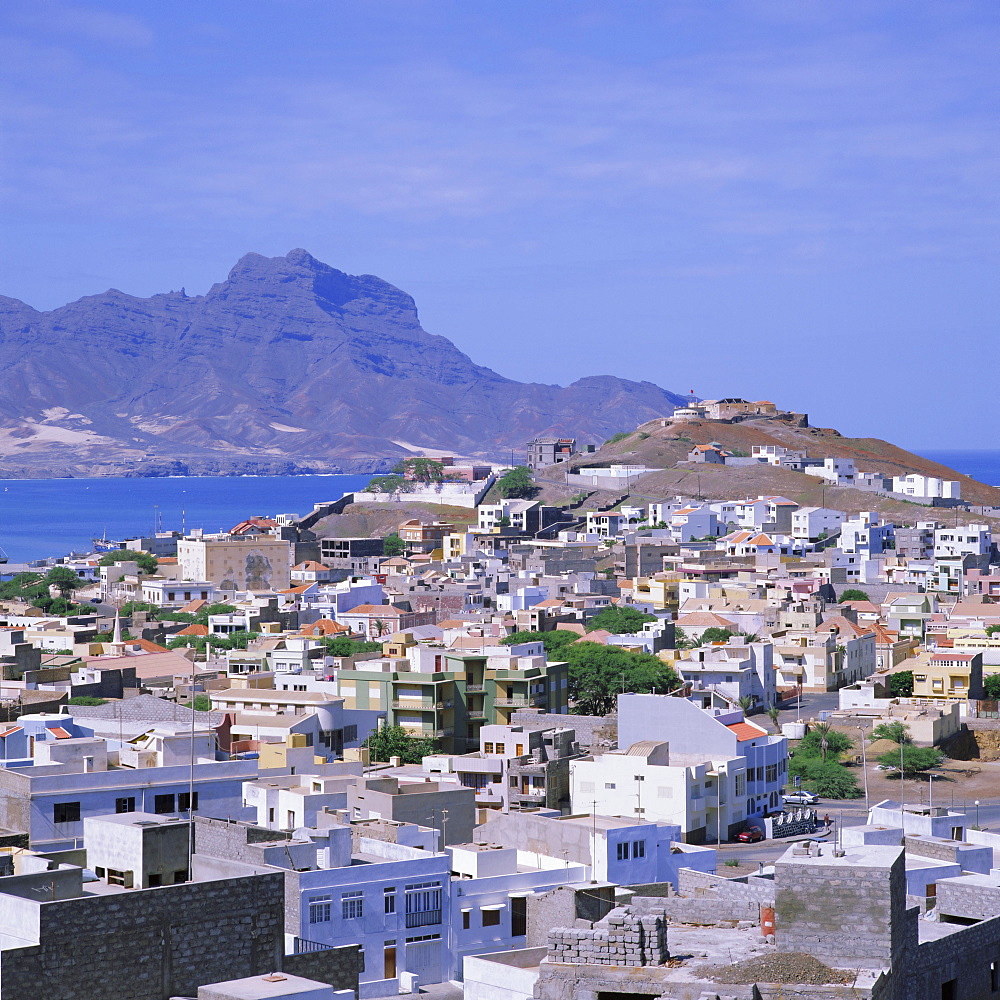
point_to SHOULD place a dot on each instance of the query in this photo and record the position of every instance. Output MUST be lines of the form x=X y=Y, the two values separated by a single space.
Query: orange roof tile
x=746 y=731
x=194 y=629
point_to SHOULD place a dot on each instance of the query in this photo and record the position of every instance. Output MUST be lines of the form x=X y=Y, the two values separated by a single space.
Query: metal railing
x=303 y=946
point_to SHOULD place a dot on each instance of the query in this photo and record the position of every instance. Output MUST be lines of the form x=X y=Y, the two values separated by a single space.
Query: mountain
x=287 y=365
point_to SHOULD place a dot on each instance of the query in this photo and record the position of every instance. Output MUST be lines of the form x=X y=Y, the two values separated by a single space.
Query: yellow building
x=948 y=676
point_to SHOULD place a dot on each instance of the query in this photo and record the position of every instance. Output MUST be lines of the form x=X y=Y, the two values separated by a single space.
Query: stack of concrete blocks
x=847 y=908
x=623 y=937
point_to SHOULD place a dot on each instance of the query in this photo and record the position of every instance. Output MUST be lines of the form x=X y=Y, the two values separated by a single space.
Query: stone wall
x=219 y=838
x=847 y=911
x=592 y=731
x=709 y=909
x=963 y=898
x=624 y=937
x=567 y=906
x=338 y=967
x=151 y=943
x=964 y=957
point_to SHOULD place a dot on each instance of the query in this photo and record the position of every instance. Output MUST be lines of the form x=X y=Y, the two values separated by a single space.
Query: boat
x=3 y=556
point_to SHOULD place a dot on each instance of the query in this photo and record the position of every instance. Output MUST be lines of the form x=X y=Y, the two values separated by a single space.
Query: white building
x=865 y=534
x=963 y=540
x=735 y=670
x=927 y=487
x=811 y=522
x=836 y=471
x=706 y=798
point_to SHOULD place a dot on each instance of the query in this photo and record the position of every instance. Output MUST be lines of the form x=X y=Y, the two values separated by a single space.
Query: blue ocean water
x=51 y=517
x=981 y=465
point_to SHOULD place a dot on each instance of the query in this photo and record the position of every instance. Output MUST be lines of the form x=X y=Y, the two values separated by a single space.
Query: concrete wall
x=150 y=944
x=507 y=975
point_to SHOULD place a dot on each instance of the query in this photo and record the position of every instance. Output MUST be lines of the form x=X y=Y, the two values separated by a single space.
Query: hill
x=666 y=448
x=287 y=365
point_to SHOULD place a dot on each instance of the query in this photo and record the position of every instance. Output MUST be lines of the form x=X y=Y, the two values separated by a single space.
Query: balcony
x=477 y=713
x=512 y=702
x=475 y=688
x=416 y=706
x=423 y=918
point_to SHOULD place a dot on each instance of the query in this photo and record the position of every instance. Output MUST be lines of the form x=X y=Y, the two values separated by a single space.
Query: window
x=125 y=805
x=184 y=801
x=389 y=905
x=518 y=916
x=640 y=777
x=319 y=909
x=491 y=918
x=66 y=812
x=423 y=904
x=623 y=852
x=466 y=919
x=638 y=848
x=350 y=733
x=609 y=784
x=163 y=804
x=352 y=905
x=487 y=748
x=772 y=772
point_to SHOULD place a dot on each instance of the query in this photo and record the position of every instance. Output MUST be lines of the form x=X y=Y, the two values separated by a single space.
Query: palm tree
x=380 y=626
x=772 y=713
x=745 y=702
x=823 y=728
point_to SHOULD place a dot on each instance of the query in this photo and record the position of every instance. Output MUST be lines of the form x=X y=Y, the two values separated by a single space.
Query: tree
x=715 y=635
x=63 y=579
x=898 y=732
x=774 y=713
x=388 y=484
x=130 y=607
x=912 y=760
x=823 y=741
x=992 y=629
x=598 y=674
x=86 y=699
x=619 y=619
x=395 y=741
x=202 y=703
x=145 y=562
x=853 y=594
x=516 y=484
x=829 y=779
x=241 y=639
x=393 y=545
x=991 y=687
x=423 y=470
x=901 y=684
x=341 y=645
x=745 y=701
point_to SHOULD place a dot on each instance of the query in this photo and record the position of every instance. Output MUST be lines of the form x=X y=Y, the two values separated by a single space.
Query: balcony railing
x=423 y=918
x=302 y=946
x=512 y=702
x=416 y=706
x=475 y=688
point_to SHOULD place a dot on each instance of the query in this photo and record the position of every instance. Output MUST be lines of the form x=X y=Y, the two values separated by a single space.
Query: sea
x=981 y=465
x=53 y=517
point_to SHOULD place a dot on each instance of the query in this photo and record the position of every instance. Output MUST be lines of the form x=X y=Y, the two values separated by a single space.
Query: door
x=389 y=962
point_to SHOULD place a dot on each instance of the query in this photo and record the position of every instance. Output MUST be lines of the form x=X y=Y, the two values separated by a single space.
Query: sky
x=787 y=200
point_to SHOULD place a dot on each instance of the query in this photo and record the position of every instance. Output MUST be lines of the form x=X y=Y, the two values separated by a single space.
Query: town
x=520 y=731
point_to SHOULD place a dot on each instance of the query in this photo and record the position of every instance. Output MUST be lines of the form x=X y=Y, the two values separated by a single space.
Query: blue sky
x=786 y=200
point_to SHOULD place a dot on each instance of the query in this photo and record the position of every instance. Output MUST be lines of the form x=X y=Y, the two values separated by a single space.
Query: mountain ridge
x=287 y=363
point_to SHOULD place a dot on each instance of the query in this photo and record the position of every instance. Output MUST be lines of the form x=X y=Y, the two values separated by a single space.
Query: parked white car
x=801 y=798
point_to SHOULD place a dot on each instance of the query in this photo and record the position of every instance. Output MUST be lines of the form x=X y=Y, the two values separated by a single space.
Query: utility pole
x=864 y=765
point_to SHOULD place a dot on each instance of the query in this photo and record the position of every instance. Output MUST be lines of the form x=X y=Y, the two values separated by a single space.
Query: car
x=750 y=836
x=801 y=797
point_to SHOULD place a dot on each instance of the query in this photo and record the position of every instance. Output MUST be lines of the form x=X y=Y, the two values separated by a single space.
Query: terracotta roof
x=550 y=603
x=311 y=565
x=296 y=590
x=60 y=734
x=325 y=626
x=8 y=730
x=194 y=629
x=705 y=619
x=193 y=607
x=746 y=731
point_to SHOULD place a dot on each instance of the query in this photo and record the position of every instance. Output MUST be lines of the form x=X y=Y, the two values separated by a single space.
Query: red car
x=750 y=836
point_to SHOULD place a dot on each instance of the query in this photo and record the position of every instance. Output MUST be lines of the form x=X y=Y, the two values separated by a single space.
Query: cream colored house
x=261 y=563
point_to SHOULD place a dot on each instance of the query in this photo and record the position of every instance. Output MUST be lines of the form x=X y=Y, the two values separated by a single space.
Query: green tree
x=63 y=579
x=130 y=607
x=853 y=594
x=991 y=687
x=913 y=760
x=715 y=635
x=598 y=674
x=86 y=699
x=516 y=484
x=555 y=641
x=241 y=639
x=23 y=587
x=992 y=629
x=145 y=562
x=393 y=545
x=619 y=619
x=901 y=684
x=202 y=703
x=341 y=645
x=395 y=741
x=389 y=484
x=774 y=713
x=829 y=779
x=824 y=742
x=620 y=436
x=898 y=732
x=422 y=470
